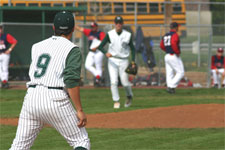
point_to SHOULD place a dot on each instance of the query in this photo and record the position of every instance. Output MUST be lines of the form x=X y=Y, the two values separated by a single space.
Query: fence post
x=43 y=24
x=85 y=51
x=209 y=58
x=135 y=17
x=160 y=56
x=199 y=34
x=1 y=15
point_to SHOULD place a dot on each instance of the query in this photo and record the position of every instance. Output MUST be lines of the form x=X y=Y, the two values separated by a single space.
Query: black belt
x=49 y=87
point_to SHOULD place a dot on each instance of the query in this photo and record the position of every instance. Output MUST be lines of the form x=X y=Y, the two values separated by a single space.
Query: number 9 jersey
x=48 y=61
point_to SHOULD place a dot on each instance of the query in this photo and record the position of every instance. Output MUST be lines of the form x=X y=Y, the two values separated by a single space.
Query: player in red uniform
x=93 y=61
x=170 y=43
x=7 y=44
x=218 y=67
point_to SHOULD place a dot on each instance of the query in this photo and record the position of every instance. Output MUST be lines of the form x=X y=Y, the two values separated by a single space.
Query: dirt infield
x=186 y=116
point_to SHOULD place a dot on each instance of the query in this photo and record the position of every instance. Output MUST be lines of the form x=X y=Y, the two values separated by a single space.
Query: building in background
x=198 y=14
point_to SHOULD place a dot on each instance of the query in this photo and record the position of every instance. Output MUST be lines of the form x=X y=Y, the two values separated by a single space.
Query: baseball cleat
x=128 y=102
x=215 y=86
x=5 y=85
x=171 y=90
x=116 y=105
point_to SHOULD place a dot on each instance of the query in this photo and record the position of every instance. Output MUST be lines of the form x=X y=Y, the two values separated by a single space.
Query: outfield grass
x=99 y=101
x=124 y=139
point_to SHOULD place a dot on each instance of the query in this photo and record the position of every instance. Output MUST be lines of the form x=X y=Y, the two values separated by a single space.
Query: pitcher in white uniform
x=120 y=42
x=56 y=65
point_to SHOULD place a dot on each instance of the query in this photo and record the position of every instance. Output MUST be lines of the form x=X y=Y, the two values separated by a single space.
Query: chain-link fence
x=195 y=53
x=200 y=36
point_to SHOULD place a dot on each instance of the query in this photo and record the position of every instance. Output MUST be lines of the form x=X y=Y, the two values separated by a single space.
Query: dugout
x=29 y=25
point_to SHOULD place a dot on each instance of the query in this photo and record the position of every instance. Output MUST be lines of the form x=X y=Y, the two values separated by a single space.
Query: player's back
x=48 y=61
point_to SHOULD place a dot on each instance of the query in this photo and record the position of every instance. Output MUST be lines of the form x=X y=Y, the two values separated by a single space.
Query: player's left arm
x=175 y=41
x=102 y=35
x=71 y=77
x=224 y=63
x=11 y=41
x=223 y=67
x=132 y=49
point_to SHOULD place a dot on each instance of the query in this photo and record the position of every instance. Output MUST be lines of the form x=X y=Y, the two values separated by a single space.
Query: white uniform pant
x=4 y=66
x=42 y=105
x=174 y=70
x=94 y=58
x=117 y=69
x=218 y=77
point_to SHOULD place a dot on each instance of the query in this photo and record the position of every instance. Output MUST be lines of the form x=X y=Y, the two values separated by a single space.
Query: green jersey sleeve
x=72 y=71
x=132 y=49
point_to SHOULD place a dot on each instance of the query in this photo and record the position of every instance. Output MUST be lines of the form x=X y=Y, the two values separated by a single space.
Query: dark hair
x=174 y=25
x=59 y=32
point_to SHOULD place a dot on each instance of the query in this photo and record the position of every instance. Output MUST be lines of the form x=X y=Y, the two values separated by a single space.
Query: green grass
x=124 y=139
x=99 y=101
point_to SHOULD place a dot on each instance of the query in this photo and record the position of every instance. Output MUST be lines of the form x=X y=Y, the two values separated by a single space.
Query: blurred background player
x=170 y=43
x=7 y=44
x=218 y=68
x=120 y=42
x=93 y=62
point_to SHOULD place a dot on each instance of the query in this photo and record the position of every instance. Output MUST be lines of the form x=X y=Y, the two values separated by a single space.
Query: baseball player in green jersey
x=120 y=42
x=56 y=65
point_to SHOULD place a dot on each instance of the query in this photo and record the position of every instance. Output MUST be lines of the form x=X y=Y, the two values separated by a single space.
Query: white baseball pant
x=4 y=65
x=117 y=68
x=173 y=64
x=94 y=58
x=42 y=105
x=217 y=77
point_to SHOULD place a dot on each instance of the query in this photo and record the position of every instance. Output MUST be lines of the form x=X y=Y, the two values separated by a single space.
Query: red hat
x=220 y=50
x=94 y=24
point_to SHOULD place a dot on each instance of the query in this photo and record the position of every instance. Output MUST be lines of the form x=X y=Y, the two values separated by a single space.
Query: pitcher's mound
x=186 y=116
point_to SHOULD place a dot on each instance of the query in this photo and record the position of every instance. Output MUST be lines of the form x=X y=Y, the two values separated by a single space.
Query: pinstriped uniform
x=43 y=105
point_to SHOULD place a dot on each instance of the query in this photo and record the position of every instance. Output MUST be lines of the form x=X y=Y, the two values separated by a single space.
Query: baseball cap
x=64 y=20
x=174 y=25
x=94 y=24
x=118 y=19
x=220 y=50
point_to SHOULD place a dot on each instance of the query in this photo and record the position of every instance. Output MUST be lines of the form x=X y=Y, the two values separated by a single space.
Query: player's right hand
x=108 y=55
x=94 y=49
x=82 y=119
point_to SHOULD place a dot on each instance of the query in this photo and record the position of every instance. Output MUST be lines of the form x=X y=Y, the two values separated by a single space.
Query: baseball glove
x=132 y=70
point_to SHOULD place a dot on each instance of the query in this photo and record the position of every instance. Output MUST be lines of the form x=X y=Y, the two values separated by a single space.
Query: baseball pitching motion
x=93 y=62
x=56 y=64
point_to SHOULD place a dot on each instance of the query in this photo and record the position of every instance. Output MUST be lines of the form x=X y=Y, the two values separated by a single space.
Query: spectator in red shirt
x=218 y=67
x=7 y=44
x=170 y=43
x=93 y=61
